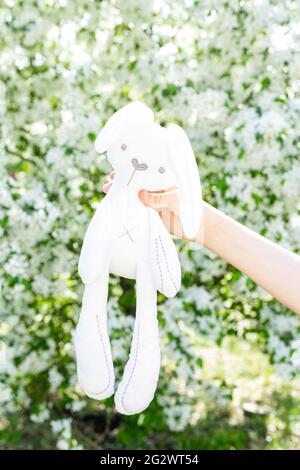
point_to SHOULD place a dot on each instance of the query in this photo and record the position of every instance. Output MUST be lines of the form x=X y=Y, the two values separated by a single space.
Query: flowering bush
x=229 y=73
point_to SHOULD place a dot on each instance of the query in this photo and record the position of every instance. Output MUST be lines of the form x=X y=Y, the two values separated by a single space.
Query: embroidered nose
x=139 y=166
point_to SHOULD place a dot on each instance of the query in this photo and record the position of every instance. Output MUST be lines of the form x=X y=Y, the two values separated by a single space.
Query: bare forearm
x=274 y=268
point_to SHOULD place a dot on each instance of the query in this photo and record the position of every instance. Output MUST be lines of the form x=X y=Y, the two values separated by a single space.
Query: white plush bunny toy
x=128 y=239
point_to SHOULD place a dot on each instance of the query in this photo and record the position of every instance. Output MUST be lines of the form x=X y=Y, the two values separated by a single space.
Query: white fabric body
x=128 y=239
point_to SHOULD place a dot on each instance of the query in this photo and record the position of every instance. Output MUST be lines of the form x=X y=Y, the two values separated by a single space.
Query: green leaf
x=170 y=90
x=91 y=136
x=265 y=83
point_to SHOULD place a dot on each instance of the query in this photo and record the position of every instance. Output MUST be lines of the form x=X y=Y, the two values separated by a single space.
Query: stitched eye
x=123 y=146
x=161 y=169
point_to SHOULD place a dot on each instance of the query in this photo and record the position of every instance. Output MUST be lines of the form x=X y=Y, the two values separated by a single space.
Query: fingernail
x=143 y=195
x=106 y=187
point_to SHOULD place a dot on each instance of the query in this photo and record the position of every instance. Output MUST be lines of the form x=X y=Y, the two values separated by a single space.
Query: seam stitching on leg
x=158 y=263
x=106 y=361
x=133 y=369
x=167 y=264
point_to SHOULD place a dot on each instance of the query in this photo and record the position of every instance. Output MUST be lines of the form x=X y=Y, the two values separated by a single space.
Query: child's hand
x=165 y=202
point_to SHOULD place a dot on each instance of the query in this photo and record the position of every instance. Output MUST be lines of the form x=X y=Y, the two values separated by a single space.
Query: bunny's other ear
x=134 y=112
x=184 y=167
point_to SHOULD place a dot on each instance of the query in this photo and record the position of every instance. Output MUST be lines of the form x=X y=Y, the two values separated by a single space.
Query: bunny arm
x=164 y=262
x=141 y=373
x=93 y=353
x=96 y=243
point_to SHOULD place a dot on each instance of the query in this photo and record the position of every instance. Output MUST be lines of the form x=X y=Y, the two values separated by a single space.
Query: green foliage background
x=228 y=71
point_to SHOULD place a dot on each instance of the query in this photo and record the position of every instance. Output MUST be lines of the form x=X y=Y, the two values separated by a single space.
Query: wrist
x=200 y=237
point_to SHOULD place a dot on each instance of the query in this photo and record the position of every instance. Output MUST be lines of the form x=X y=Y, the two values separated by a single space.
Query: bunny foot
x=100 y=395
x=128 y=404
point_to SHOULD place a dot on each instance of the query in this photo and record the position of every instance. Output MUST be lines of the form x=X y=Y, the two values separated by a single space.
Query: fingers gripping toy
x=127 y=239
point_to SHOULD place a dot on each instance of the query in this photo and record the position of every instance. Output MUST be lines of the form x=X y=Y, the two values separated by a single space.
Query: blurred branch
x=20 y=156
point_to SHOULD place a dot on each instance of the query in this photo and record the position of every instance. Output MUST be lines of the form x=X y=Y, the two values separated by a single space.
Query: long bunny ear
x=184 y=166
x=134 y=112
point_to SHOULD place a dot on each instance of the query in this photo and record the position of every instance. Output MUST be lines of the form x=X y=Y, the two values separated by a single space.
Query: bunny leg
x=141 y=373
x=93 y=353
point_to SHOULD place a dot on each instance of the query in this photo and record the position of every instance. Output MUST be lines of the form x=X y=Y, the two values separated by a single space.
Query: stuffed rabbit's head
x=137 y=149
x=148 y=156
